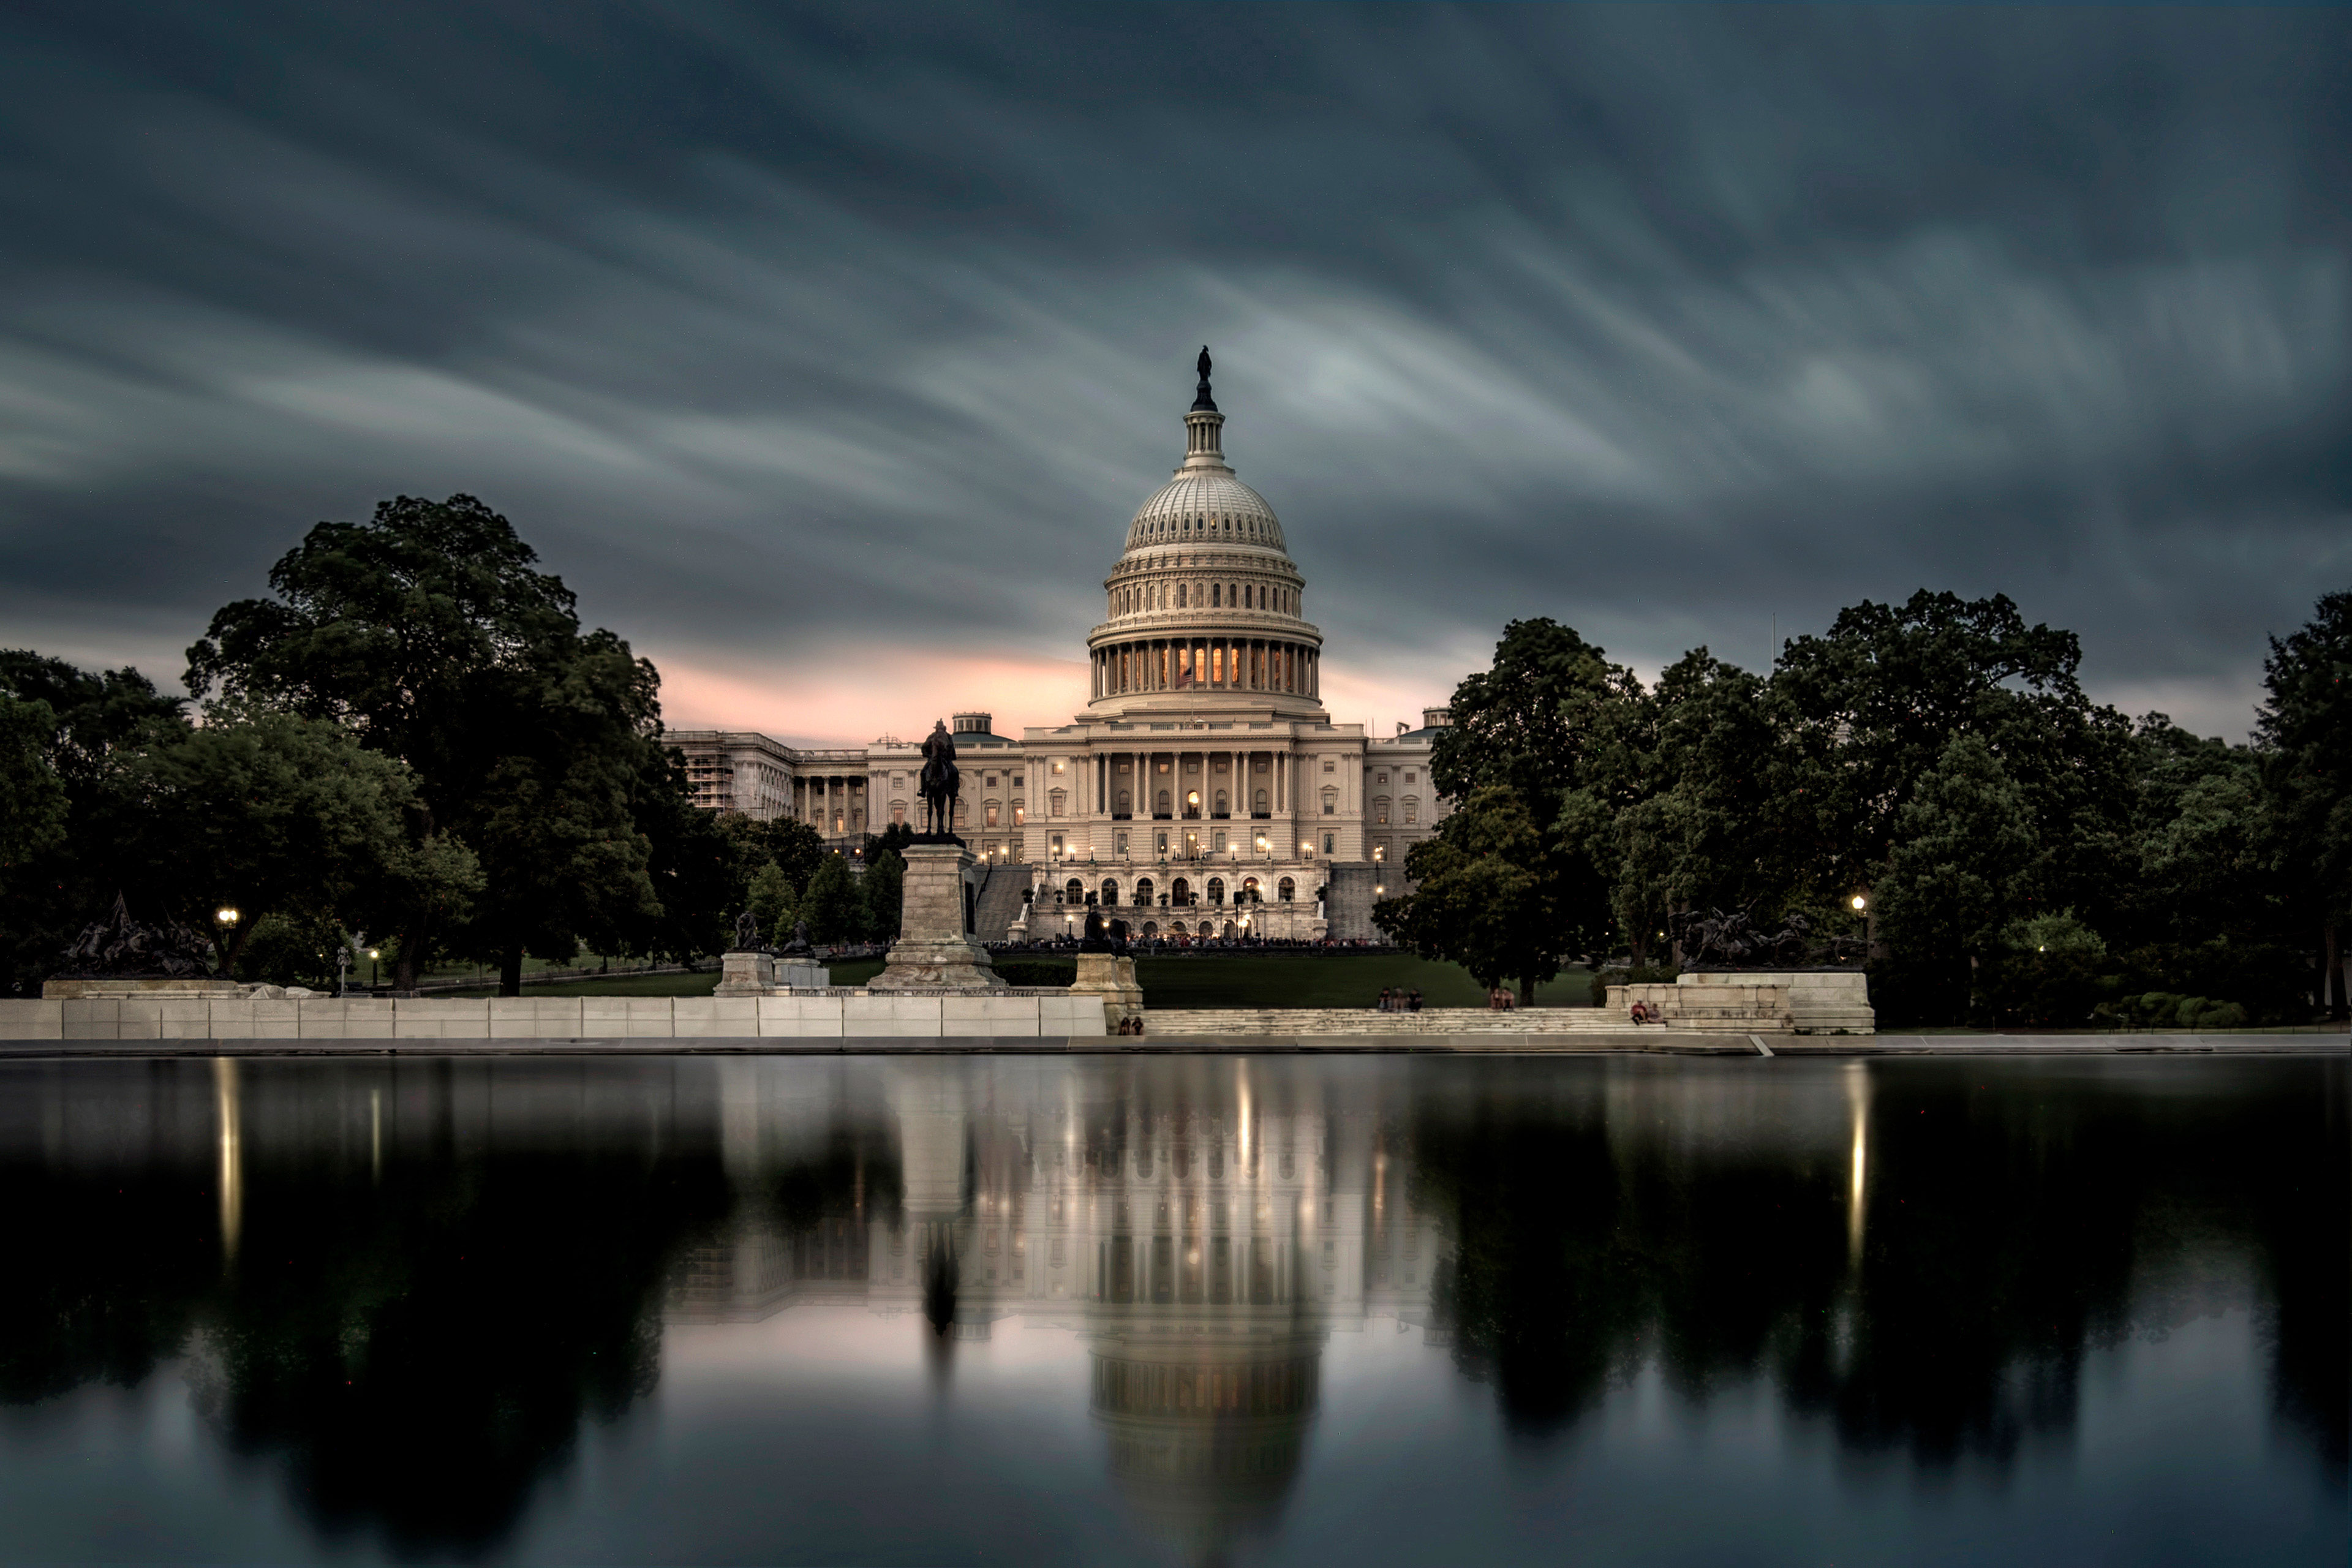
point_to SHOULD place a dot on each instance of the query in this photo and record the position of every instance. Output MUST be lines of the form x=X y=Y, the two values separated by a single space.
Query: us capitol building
x=1204 y=790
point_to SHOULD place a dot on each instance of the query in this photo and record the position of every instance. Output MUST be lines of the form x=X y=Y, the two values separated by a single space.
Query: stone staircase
x=998 y=903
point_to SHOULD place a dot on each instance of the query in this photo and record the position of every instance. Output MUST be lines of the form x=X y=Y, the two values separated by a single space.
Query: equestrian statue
x=938 y=783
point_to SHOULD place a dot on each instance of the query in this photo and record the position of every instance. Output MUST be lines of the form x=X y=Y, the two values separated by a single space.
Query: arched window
x=1257 y=804
x=1180 y=892
x=1110 y=892
x=1213 y=599
x=1143 y=891
x=1220 y=804
x=1161 y=809
x=1285 y=890
x=1179 y=596
x=1249 y=886
x=1217 y=889
x=1119 y=803
x=1074 y=892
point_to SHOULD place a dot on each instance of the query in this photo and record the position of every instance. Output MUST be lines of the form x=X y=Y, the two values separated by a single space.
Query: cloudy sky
x=826 y=352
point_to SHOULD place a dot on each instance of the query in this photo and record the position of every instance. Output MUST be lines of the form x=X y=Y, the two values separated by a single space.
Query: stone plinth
x=1820 y=1001
x=935 y=950
x=745 y=974
x=1795 y=1002
x=801 y=974
x=1112 y=978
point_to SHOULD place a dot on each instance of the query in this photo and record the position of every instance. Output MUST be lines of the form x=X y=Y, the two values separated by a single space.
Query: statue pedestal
x=801 y=974
x=1112 y=978
x=745 y=974
x=935 y=950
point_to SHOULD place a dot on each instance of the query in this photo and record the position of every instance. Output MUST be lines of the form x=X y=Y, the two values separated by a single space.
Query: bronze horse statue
x=938 y=783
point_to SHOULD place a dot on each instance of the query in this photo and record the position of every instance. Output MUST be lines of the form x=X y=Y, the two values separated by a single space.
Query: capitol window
x=1285 y=890
x=1020 y=816
x=1329 y=766
x=1330 y=803
x=1380 y=810
x=1053 y=802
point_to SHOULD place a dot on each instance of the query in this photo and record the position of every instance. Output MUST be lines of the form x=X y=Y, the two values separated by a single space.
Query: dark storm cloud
x=779 y=331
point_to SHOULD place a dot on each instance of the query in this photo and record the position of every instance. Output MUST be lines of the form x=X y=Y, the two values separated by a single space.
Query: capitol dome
x=1205 y=602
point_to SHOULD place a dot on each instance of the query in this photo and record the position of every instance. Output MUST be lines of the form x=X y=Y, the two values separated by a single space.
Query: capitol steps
x=998 y=904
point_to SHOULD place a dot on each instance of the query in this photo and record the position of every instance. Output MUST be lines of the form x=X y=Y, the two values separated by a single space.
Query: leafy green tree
x=2304 y=729
x=430 y=633
x=1480 y=898
x=829 y=903
x=1867 y=713
x=1558 y=725
x=1961 y=869
x=883 y=890
x=272 y=813
x=33 y=804
x=771 y=902
x=1710 y=824
x=55 y=883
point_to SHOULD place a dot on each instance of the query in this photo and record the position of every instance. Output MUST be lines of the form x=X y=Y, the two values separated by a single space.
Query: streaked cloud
x=827 y=352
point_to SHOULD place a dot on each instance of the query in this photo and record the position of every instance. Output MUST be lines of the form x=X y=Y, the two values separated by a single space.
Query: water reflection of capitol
x=1203 y=1226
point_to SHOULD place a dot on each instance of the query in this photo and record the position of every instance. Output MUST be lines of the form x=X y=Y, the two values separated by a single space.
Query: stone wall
x=844 y=1014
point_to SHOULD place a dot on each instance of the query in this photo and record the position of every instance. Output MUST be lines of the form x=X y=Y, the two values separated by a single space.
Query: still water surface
x=1430 y=1310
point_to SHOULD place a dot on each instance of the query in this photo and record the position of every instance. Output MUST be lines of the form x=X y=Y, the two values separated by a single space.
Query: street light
x=1860 y=903
x=225 y=915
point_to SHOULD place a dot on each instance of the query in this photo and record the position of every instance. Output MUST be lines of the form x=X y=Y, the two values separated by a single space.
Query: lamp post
x=227 y=916
x=373 y=955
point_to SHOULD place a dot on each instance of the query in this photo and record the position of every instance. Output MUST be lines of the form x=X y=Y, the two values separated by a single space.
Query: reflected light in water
x=231 y=1139
x=1857 y=1094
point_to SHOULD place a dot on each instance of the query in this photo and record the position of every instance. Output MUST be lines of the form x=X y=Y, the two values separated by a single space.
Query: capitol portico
x=1204 y=788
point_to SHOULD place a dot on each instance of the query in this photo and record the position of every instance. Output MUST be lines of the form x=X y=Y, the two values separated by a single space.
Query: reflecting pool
x=902 y=1309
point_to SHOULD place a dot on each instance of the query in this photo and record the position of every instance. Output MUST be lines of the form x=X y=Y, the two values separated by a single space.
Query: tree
x=1867 y=713
x=829 y=903
x=429 y=632
x=56 y=883
x=33 y=802
x=1558 y=725
x=771 y=903
x=275 y=813
x=1709 y=824
x=1960 y=871
x=2304 y=729
x=1480 y=896
x=883 y=890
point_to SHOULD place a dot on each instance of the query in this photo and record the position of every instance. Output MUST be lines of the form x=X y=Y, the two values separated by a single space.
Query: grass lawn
x=1281 y=980
x=611 y=986
x=1211 y=980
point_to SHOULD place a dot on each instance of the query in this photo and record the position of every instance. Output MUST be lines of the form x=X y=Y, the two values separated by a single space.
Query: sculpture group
x=1714 y=940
